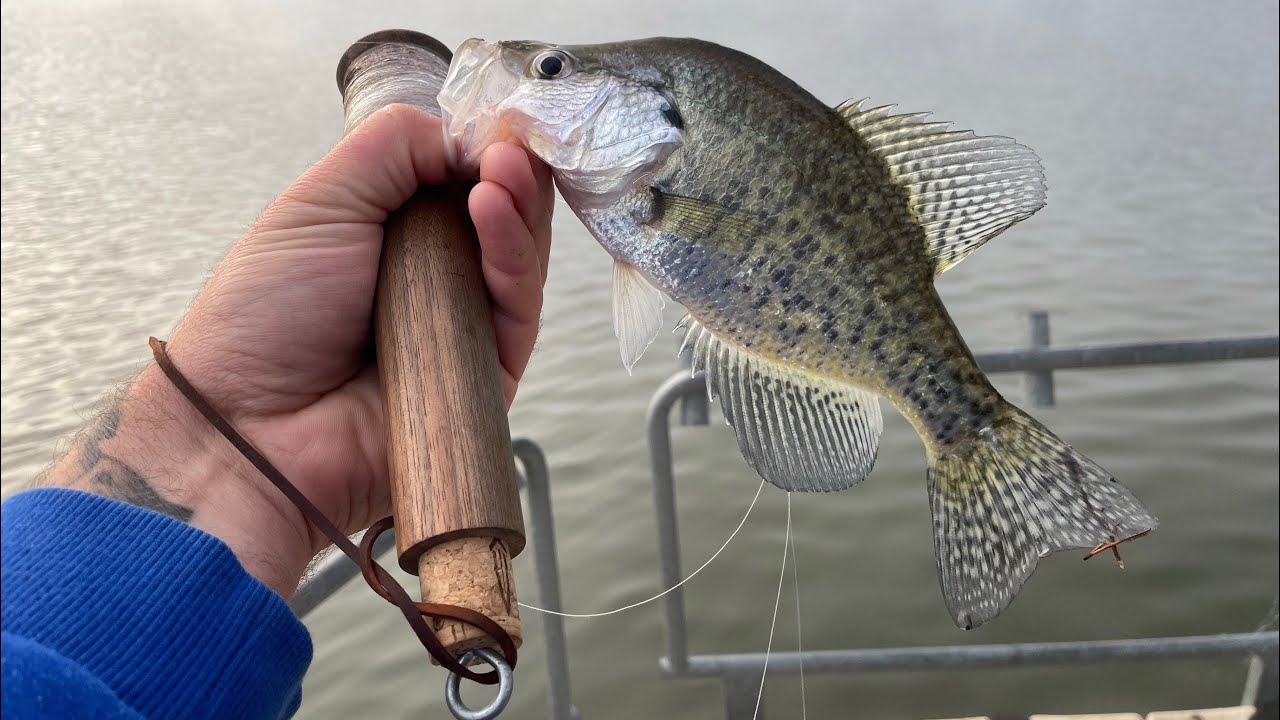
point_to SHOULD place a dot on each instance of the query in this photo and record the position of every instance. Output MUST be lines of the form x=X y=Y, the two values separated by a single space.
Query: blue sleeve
x=112 y=611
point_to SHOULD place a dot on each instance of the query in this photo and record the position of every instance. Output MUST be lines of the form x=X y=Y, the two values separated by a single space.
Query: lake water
x=140 y=138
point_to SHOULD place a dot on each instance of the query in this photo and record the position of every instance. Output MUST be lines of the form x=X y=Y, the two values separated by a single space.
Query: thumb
x=367 y=175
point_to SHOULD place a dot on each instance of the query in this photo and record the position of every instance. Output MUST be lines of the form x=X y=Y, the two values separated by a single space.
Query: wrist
x=151 y=448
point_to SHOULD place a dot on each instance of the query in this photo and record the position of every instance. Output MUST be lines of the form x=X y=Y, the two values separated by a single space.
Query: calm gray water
x=140 y=137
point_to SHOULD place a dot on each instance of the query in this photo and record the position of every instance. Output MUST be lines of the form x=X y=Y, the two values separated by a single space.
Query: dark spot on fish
x=874 y=345
x=868 y=307
x=828 y=260
x=791 y=226
x=800 y=330
x=832 y=291
x=760 y=302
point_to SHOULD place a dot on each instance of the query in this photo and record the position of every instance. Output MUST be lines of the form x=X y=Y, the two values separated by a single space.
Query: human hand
x=279 y=341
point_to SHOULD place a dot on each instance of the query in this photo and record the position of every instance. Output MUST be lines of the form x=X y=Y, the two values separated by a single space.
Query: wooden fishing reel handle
x=454 y=495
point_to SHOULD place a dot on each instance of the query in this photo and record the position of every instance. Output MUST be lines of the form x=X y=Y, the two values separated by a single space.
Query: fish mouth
x=474 y=104
x=487 y=98
x=599 y=133
x=474 y=89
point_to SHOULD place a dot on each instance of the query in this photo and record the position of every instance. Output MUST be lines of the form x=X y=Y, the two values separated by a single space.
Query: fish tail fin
x=1008 y=495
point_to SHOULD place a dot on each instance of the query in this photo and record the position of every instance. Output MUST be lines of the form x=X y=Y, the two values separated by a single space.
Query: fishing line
x=777 y=600
x=795 y=578
x=682 y=582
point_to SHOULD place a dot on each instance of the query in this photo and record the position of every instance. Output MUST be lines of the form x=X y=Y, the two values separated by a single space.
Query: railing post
x=740 y=693
x=1262 y=684
x=658 y=424
x=1039 y=382
x=546 y=564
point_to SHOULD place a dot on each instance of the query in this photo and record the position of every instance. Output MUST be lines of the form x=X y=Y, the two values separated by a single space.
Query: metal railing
x=740 y=673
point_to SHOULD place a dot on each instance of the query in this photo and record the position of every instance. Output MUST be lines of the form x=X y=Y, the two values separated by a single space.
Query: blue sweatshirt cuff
x=159 y=612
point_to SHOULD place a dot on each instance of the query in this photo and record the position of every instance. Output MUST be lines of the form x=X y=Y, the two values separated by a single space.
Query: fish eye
x=550 y=65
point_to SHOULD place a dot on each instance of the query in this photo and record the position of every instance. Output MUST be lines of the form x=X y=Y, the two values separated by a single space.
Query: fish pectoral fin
x=800 y=431
x=963 y=189
x=637 y=312
x=693 y=218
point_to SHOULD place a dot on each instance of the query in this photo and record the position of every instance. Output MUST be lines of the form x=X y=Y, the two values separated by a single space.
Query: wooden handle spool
x=454 y=494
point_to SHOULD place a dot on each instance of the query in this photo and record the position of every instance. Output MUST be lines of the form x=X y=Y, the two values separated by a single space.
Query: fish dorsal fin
x=964 y=189
x=637 y=312
x=799 y=431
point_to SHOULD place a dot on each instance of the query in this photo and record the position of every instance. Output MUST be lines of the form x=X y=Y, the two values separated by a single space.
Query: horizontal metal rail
x=740 y=673
x=1130 y=354
x=976 y=656
x=328 y=575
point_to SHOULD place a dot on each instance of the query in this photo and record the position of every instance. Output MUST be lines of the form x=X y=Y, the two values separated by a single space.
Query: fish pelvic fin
x=637 y=312
x=1007 y=497
x=800 y=431
x=963 y=189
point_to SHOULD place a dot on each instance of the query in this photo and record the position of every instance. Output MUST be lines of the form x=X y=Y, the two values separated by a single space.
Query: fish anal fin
x=964 y=189
x=800 y=431
x=637 y=312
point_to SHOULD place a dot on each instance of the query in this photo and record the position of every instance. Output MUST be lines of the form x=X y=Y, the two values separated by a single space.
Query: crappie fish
x=804 y=242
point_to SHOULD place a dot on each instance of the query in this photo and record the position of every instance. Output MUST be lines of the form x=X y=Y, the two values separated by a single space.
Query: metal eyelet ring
x=506 y=684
